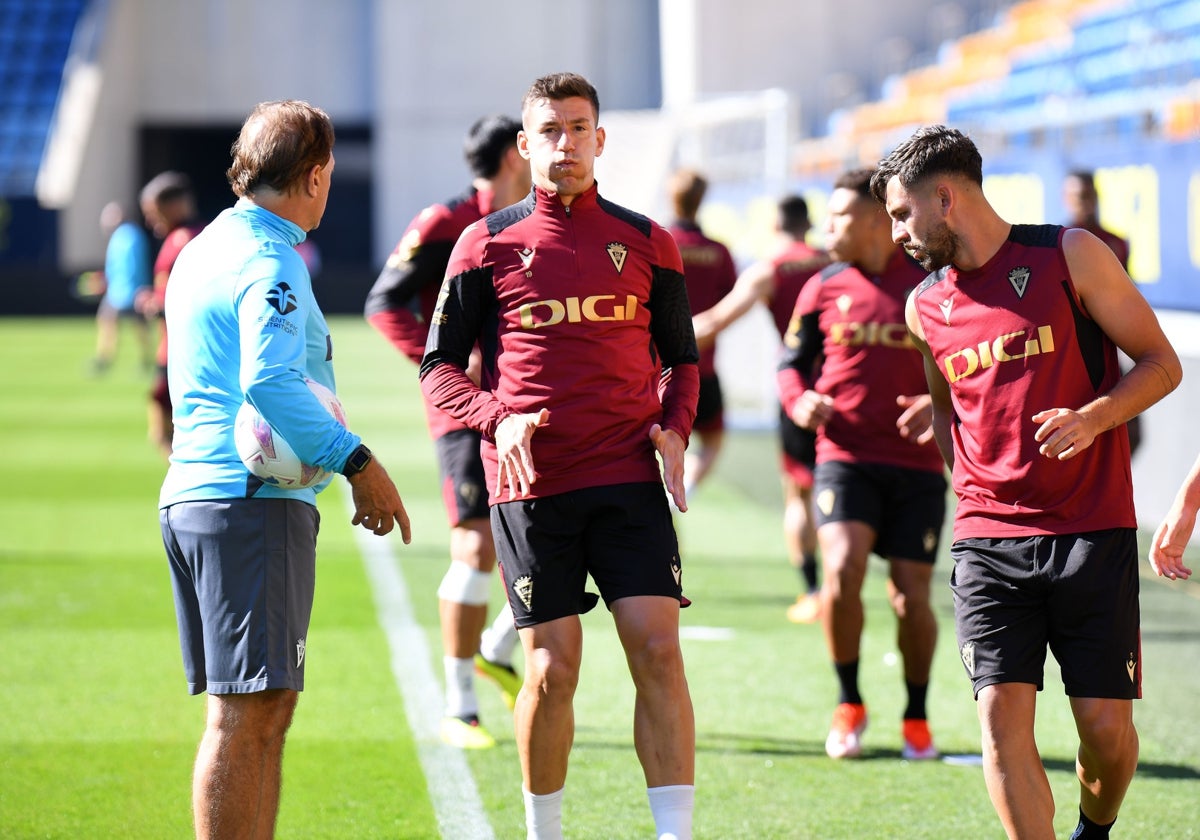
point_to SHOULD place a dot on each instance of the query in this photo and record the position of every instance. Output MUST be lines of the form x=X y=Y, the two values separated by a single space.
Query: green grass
x=98 y=733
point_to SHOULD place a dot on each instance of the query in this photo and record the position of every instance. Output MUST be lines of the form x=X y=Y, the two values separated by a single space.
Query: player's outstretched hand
x=1063 y=433
x=1170 y=539
x=514 y=456
x=377 y=503
x=670 y=448
x=916 y=421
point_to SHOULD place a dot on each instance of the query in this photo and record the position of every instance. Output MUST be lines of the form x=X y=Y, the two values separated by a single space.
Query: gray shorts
x=243 y=572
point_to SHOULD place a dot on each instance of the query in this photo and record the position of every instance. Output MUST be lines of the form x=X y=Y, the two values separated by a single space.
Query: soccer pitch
x=99 y=735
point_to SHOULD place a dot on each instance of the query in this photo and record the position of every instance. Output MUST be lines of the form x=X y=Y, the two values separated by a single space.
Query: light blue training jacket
x=242 y=322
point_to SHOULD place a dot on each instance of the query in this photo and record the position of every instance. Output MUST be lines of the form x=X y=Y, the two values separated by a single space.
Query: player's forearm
x=401 y=328
x=449 y=388
x=680 y=388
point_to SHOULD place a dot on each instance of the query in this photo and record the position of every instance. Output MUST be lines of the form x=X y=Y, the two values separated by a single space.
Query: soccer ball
x=268 y=456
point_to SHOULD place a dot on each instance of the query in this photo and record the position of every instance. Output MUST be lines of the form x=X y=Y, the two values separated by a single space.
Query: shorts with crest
x=464 y=486
x=620 y=534
x=906 y=507
x=1076 y=594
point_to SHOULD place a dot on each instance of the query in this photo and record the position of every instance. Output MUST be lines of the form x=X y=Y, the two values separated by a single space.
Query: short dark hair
x=277 y=146
x=166 y=187
x=858 y=180
x=793 y=214
x=932 y=150
x=487 y=141
x=1084 y=176
x=687 y=188
x=561 y=86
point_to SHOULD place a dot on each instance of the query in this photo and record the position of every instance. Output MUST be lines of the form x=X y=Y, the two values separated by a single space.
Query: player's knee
x=656 y=658
x=465 y=585
x=551 y=676
x=1106 y=730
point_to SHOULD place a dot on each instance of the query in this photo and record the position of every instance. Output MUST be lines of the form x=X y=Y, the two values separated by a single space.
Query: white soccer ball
x=268 y=456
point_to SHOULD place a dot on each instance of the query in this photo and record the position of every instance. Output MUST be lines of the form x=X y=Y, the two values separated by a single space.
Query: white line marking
x=700 y=633
x=455 y=798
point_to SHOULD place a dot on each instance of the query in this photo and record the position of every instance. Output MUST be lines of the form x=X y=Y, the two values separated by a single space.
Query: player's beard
x=939 y=248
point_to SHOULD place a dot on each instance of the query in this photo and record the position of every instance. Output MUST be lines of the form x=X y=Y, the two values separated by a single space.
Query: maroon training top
x=581 y=310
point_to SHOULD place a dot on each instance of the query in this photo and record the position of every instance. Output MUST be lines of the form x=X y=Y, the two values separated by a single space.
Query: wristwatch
x=357 y=461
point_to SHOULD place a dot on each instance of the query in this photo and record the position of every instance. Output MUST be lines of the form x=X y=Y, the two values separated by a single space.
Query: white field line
x=455 y=798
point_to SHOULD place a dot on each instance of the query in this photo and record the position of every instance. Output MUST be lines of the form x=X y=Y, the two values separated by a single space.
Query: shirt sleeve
x=675 y=341
x=393 y=305
x=467 y=295
x=802 y=346
x=273 y=309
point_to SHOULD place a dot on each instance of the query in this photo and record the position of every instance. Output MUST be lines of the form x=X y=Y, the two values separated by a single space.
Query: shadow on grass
x=1153 y=769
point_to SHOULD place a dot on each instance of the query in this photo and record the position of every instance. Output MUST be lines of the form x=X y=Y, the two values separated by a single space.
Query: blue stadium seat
x=35 y=39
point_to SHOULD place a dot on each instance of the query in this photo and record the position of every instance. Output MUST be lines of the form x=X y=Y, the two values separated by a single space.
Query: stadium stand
x=1046 y=66
x=35 y=39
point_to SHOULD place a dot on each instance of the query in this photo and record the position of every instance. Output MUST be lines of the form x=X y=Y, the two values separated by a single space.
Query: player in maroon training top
x=589 y=369
x=776 y=282
x=1019 y=326
x=170 y=207
x=1083 y=211
x=879 y=484
x=400 y=305
x=710 y=274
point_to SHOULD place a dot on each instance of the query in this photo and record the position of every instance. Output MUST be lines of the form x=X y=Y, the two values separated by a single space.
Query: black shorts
x=799 y=445
x=906 y=507
x=710 y=406
x=464 y=486
x=620 y=534
x=1077 y=594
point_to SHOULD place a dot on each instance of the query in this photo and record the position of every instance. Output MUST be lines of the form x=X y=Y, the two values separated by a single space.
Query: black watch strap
x=357 y=461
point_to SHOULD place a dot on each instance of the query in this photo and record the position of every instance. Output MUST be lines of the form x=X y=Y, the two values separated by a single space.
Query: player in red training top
x=1019 y=326
x=170 y=208
x=776 y=282
x=400 y=305
x=1083 y=211
x=710 y=274
x=879 y=483
x=589 y=369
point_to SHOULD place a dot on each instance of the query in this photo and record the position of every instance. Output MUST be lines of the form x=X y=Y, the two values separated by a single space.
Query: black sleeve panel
x=803 y=345
x=463 y=304
x=399 y=286
x=671 y=319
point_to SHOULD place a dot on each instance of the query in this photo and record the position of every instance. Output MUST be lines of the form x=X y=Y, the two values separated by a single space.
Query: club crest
x=1019 y=278
x=617 y=253
x=968 y=657
x=522 y=587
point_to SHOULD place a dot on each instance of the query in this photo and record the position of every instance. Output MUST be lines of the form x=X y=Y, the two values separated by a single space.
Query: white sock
x=460 y=687
x=671 y=806
x=543 y=815
x=500 y=640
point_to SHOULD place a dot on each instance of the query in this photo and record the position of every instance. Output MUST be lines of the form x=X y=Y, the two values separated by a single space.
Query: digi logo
x=854 y=334
x=1003 y=348
x=573 y=310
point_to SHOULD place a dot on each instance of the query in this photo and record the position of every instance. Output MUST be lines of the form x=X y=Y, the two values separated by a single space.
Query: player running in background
x=879 y=483
x=170 y=209
x=400 y=305
x=244 y=326
x=589 y=370
x=710 y=274
x=1019 y=326
x=776 y=282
